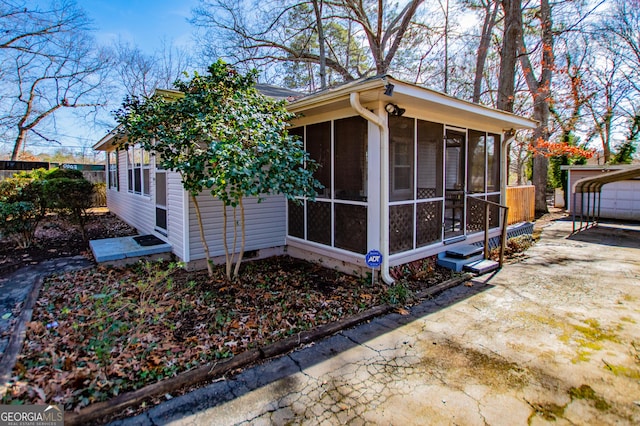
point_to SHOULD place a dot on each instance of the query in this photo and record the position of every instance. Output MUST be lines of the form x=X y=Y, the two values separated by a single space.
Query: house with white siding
x=405 y=171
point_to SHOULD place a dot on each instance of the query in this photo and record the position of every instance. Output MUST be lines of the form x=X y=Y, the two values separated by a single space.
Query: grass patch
x=585 y=392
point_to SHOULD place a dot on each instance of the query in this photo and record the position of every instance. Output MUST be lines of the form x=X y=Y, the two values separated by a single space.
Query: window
x=415 y=183
x=477 y=162
x=145 y=172
x=350 y=147
x=401 y=141
x=483 y=175
x=493 y=163
x=138 y=176
x=338 y=216
x=112 y=167
x=318 y=145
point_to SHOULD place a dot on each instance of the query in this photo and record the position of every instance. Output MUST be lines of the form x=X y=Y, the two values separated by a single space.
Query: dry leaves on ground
x=100 y=332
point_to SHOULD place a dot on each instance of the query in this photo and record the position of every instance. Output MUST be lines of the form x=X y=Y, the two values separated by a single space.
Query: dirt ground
x=56 y=237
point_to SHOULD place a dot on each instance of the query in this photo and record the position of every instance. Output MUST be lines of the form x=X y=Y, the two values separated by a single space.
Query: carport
x=592 y=187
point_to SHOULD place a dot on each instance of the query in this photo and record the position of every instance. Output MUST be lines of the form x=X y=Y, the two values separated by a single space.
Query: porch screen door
x=454 y=189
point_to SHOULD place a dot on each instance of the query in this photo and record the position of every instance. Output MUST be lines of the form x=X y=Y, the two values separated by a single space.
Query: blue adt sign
x=373 y=259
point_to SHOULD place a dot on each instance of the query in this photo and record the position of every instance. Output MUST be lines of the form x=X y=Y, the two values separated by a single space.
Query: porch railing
x=504 y=211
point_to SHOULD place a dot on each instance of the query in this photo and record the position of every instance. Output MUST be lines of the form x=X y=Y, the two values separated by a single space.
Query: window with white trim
x=112 y=169
x=138 y=174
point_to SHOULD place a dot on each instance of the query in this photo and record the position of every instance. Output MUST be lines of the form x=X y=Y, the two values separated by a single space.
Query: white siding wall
x=175 y=214
x=139 y=210
x=265 y=225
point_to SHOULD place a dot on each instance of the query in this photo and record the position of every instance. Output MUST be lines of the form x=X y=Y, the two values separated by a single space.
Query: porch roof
x=407 y=95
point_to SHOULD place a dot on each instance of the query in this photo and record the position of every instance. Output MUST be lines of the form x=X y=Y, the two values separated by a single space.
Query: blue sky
x=144 y=23
x=141 y=22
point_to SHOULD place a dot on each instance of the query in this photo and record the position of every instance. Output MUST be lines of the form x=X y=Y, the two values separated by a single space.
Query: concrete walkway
x=553 y=339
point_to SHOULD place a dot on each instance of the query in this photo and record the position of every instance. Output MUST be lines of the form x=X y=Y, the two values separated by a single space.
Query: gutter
x=354 y=100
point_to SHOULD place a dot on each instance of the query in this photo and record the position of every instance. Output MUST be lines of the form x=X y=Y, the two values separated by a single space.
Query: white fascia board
x=516 y=122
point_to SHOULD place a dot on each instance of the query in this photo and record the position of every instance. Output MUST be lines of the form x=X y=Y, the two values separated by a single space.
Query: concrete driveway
x=552 y=339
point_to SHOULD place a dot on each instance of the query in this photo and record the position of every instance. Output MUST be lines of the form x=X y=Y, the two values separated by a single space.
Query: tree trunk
x=224 y=242
x=235 y=240
x=540 y=90
x=20 y=141
x=242 y=241
x=540 y=167
x=446 y=48
x=202 y=237
x=509 y=54
x=317 y=7
x=483 y=48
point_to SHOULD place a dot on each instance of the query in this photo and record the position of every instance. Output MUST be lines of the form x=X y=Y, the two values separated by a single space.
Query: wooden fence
x=521 y=203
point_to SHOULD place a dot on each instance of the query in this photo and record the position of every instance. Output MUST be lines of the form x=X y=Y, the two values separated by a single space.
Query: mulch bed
x=56 y=237
x=101 y=332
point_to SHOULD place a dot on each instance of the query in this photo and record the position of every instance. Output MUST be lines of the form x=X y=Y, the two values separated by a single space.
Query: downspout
x=504 y=173
x=354 y=99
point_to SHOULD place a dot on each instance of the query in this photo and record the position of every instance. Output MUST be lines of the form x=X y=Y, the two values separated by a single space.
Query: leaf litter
x=100 y=332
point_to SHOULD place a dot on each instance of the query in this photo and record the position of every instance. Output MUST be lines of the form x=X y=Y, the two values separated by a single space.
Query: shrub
x=64 y=173
x=23 y=206
x=18 y=221
x=71 y=197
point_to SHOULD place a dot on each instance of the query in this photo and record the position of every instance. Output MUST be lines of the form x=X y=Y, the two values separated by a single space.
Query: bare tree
x=265 y=32
x=317 y=8
x=49 y=62
x=511 y=39
x=490 y=9
x=139 y=74
x=539 y=87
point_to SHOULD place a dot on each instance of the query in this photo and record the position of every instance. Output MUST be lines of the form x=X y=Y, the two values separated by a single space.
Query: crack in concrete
x=364 y=345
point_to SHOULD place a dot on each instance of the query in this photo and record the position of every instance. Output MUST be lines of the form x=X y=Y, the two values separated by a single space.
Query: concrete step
x=482 y=267
x=455 y=263
x=464 y=251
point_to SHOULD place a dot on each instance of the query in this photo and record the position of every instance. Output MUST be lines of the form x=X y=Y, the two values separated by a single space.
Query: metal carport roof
x=592 y=186
x=595 y=184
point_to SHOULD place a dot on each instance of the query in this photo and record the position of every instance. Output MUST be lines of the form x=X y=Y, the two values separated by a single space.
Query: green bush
x=71 y=197
x=27 y=196
x=23 y=206
x=64 y=173
x=19 y=220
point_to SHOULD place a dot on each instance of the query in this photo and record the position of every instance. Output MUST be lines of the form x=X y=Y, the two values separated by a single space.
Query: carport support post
x=588 y=207
x=573 y=208
x=599 y=200
x=581 y=208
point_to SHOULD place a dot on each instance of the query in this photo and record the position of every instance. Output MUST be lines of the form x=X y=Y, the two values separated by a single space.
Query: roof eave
x=377 y=83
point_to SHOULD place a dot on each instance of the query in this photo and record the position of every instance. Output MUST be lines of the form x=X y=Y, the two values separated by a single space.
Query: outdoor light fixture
x=388 y=89
x=394 y=109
